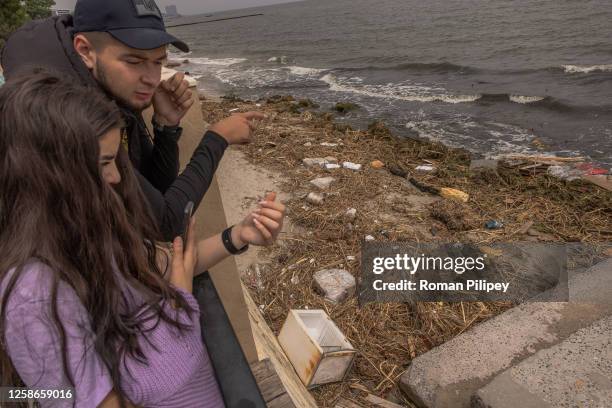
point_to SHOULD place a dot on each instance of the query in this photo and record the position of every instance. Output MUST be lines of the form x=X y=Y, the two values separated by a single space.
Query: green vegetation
x=13 y=13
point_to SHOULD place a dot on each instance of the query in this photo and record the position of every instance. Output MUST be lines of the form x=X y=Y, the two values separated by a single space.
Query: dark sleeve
x=190 y=185
x=161 y=164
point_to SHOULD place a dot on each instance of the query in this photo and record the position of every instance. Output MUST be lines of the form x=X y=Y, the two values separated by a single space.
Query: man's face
x=130 y=75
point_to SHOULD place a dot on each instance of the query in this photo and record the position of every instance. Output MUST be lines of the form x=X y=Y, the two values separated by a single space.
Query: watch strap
x=226 y=237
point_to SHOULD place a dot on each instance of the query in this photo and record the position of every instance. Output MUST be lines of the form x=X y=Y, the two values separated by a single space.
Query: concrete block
x=335 y=284
x=448 y=376
x=323 y=183
x=574 y=373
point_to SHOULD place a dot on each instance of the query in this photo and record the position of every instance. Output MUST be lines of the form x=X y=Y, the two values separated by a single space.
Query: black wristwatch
x=173 y=131
x=226 y=237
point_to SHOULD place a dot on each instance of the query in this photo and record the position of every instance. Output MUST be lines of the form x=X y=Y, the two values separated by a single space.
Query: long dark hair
x=56 y=208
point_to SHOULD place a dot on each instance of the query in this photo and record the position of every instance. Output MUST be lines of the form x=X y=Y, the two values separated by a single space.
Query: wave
x=399 y=92
x=281 y=60
x=436 y=68
x=222 y=62
x=302 y=71
x=525 y=99
x=587 y=69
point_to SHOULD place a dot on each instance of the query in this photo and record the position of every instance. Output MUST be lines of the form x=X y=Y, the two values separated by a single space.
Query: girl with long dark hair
x=89 y=299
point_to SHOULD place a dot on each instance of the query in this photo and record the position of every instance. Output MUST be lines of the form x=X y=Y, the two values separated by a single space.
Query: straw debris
x=389 y=336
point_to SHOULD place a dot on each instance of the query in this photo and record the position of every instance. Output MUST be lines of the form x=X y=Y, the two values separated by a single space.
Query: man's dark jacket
x=48 y=44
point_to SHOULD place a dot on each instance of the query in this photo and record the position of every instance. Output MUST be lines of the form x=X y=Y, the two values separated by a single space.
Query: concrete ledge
x=574 y=373
x=448 y=376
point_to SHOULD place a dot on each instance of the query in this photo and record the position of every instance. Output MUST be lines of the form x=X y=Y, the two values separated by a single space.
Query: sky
x=194 y=6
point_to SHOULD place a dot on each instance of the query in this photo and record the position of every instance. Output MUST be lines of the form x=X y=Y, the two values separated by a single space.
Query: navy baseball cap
x=136 y=23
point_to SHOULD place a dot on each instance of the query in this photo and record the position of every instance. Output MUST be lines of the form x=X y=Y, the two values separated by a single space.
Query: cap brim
x=147 y=38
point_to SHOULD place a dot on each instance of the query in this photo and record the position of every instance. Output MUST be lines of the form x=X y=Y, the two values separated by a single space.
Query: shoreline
x=533 y=205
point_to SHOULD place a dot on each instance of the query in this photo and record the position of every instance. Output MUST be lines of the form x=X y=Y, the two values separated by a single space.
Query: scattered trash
x=314 y=162
x=335 y=284
x=454 y=194
x=377 y=164
x=295 y=279
x=425 y=168
x=351 y=166
x=350 y=214
x=332 y=166
x=317 y=349
x=494 y=224
x=234 y=110
x=564 y=172
x=445 y=192
x=323 y=183
x=315 y=198
x=350 y=258
x=369 y=238
x=329 y=144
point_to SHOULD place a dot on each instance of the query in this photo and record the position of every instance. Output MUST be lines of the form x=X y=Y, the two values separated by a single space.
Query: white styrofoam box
x=318 y=350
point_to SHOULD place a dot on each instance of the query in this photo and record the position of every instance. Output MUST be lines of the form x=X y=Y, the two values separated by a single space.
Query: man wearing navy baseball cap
x=118 y=47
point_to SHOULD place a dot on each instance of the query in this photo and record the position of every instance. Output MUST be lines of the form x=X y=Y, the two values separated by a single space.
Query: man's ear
x=85 y=49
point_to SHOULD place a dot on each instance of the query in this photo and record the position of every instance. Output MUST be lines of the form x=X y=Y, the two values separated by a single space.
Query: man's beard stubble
x=104 y=82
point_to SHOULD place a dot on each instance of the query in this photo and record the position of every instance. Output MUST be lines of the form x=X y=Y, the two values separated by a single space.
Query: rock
x=483 y=164
x=307 y=144
x=369 y=238
x=397 y=171
x=185 y=61
x=326 y=144
x=336 y=285
x=350 y=214
x=377 y=164
x=331 y=166
x=344 y=107
x=315 y=198
x=314 y=162
x=331 y=160
x=323 y=183
x=351 y=166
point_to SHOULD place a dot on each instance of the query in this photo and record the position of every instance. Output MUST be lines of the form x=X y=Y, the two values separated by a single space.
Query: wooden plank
x=211 y=219
x=268 y=347
x=267 y=380
x=602 y=181
x=382 y=402
x=283 y=401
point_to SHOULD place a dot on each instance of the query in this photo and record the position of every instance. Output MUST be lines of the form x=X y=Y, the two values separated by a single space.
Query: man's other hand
x=238 y=128
x=172 y=99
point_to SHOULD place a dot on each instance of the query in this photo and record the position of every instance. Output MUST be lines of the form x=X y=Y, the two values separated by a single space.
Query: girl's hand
x=184 y=259
x=262 y=226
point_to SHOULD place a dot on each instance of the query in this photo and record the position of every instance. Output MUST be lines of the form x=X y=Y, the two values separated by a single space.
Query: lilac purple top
x=178 y=372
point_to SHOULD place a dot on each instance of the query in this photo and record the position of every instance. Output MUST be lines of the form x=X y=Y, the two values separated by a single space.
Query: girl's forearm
x=211 y=251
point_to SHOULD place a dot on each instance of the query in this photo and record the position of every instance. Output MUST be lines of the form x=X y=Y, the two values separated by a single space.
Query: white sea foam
x=222 y=62
x=413 y=93
x=526 y=99
x=585 y=69
x=301 y=71
x=281 y=60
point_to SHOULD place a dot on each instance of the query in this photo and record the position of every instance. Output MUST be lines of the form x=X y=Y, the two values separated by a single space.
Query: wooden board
x=601 y=181
x=210 y=219
x=268 y=347
x=271 y=387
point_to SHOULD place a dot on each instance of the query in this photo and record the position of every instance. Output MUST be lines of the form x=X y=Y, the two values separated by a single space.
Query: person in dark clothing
x=118 y=47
